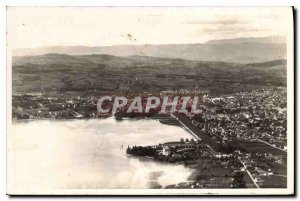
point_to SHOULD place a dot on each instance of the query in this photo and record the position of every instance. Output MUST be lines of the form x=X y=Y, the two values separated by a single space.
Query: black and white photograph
x=150 y=100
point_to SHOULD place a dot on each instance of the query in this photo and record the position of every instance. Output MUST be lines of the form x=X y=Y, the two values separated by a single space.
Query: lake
x=90 y=154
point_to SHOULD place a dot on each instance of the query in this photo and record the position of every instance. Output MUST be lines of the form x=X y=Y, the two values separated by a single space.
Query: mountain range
x=237 y=50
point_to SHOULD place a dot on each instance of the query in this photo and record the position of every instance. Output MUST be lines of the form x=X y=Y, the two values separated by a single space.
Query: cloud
x=72 y=26
x=232 y=29
x=216 y=22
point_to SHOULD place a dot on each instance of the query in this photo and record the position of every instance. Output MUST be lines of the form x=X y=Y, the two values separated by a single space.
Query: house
x=166 y=150
x=258 y=180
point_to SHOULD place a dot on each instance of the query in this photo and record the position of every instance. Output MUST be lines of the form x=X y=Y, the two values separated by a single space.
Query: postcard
x=150 y=101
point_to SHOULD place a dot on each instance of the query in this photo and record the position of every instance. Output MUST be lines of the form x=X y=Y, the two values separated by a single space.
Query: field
x=260 y=147
x=105 y=74
x=212 y=173
x=274 y=181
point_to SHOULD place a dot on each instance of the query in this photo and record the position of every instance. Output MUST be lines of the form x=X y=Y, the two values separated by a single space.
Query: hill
x=239 y=50
x=265 y=40
x=105 y=74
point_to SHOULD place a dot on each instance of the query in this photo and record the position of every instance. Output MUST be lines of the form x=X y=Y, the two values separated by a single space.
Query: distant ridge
x=269 y=63
x=269 y=39
x=237 y=50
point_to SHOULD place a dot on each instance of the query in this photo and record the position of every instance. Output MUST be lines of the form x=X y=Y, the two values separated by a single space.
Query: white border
x=132 y=3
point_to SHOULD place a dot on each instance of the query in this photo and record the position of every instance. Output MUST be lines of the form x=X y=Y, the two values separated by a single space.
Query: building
x=166 y=150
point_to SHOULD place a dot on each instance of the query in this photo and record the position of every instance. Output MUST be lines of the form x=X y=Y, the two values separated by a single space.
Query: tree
x=181 y=140
x=187 y=140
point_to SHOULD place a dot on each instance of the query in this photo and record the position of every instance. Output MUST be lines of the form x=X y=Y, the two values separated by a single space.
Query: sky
x=31 y=27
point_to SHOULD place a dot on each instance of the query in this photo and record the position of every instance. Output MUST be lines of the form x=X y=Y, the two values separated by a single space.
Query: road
x=271 y=145
x=195 y=131
x=250 y=175
x=200 y=135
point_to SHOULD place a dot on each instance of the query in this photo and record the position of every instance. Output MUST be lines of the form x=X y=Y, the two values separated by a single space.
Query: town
x=243 y=134
x=255 y=115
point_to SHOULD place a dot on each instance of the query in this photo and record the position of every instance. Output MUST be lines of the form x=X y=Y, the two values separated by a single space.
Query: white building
x=166 y=150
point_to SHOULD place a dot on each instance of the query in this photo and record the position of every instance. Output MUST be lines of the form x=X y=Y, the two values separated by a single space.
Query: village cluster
x=247 y=116
x=256 y=115
x=244 y=134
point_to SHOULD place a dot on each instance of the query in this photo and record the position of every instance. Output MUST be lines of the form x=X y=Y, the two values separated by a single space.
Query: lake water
x=73 y=154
